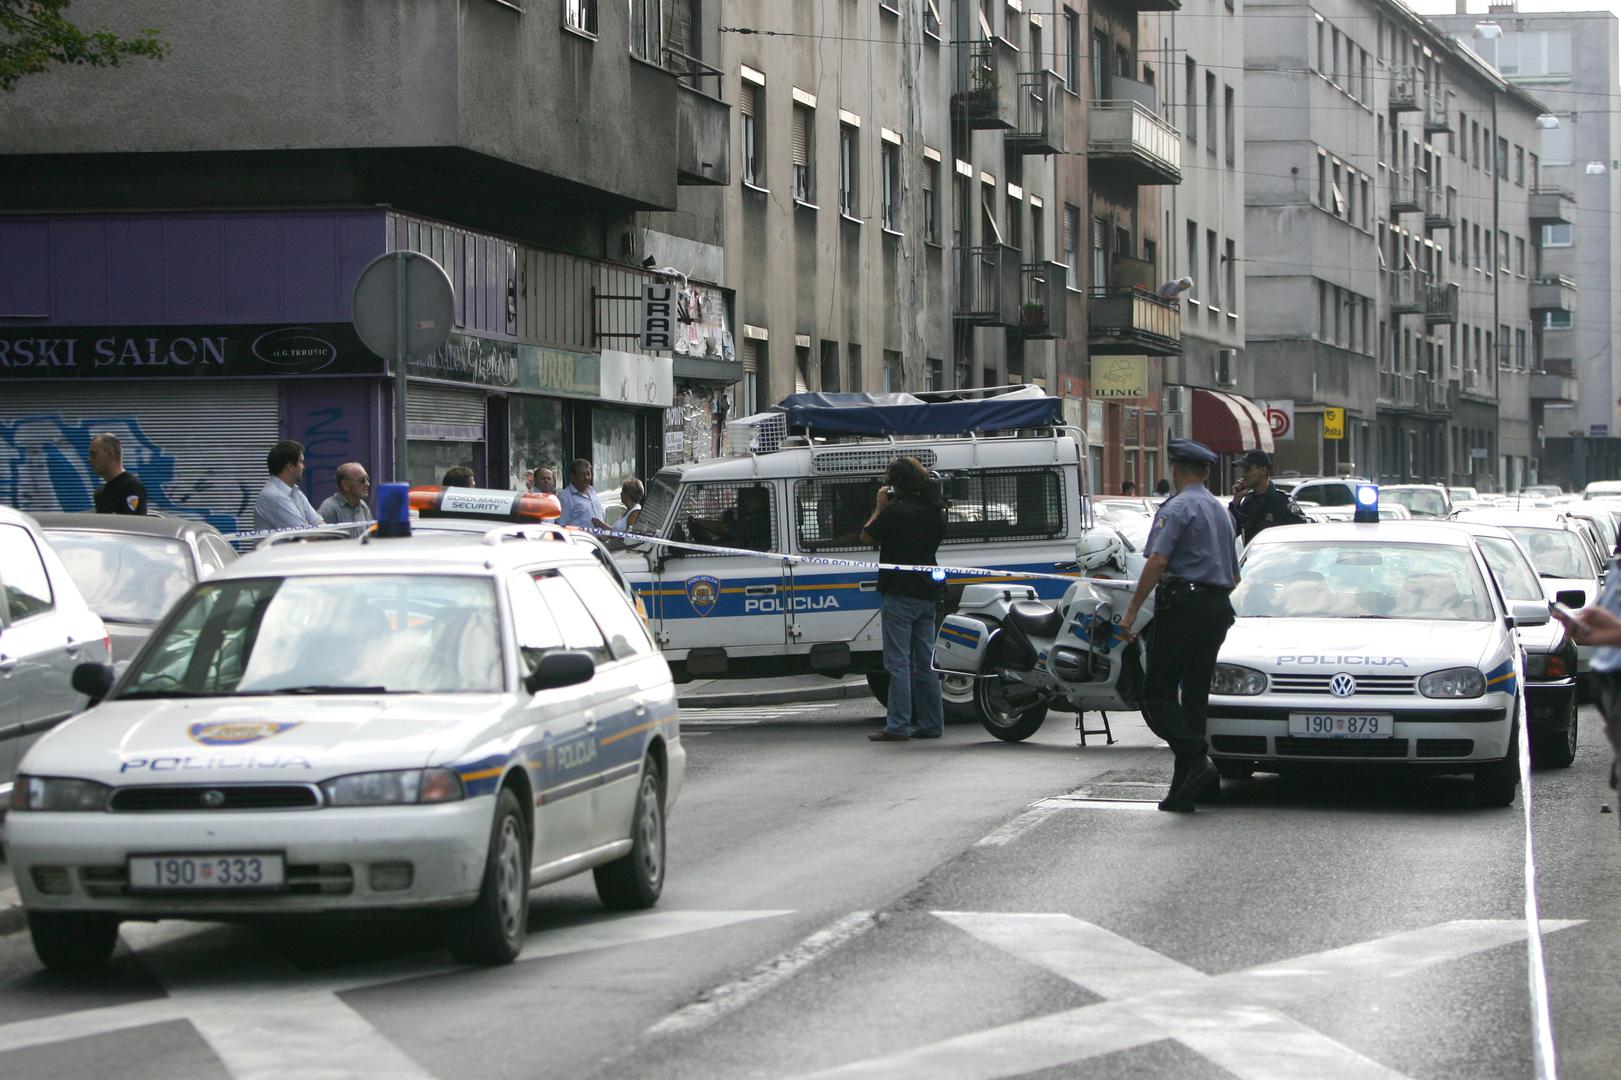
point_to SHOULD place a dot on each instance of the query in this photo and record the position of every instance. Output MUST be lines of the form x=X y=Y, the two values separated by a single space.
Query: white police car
x=1371 y=643
x=448 y=722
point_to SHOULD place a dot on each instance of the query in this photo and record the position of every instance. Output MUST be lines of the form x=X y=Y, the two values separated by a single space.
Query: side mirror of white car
x=565 y=667
x=1529 y=613
x=93 y=680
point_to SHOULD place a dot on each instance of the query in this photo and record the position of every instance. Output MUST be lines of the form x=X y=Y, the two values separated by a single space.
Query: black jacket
x=909 y=532
x=1259 y=510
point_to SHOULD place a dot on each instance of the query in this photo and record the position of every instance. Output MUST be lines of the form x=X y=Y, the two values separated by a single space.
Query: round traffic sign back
x=403 y=283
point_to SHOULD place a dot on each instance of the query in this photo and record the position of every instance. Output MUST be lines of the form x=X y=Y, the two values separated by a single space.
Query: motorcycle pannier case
x=960 y=645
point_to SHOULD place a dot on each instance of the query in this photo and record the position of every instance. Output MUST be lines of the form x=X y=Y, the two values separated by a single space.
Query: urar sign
x=658 y=317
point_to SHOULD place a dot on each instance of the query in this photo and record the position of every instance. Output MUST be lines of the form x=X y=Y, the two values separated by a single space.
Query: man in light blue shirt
x=281 y=503
x=347 y=505
x=581 y=507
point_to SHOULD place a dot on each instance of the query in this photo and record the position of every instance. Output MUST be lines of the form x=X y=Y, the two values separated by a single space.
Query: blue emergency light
x=937 y=574
x=1367 y=504
x=393 y=510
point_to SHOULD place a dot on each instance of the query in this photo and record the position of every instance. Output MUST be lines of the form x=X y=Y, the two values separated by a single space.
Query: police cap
x=1256 y=457
x=1190 y=452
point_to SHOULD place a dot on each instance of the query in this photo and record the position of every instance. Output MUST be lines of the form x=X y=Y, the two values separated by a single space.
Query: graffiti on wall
x=44 y=466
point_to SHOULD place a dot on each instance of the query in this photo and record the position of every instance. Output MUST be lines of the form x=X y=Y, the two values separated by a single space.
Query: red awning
x=1228 y=423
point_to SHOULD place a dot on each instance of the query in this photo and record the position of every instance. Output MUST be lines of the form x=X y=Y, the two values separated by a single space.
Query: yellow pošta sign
x=1333 y=423
x=1119 y=378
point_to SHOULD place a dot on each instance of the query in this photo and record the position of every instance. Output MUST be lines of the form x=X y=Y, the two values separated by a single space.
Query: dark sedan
x=132 y=569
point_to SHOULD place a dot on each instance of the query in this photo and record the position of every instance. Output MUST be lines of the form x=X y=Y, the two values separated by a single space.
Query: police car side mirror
x=1529 y=613
x=93 y=680
x=566 y=667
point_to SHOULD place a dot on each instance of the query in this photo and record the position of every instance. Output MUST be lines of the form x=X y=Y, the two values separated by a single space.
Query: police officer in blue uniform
x=1191 y=570
x=1258 y=503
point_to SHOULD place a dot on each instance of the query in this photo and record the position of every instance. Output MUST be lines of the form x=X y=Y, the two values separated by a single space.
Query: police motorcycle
x=1027 y=657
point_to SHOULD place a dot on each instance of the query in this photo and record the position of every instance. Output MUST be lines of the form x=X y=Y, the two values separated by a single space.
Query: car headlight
x=1235 y=681
x=1458 y=682
x=394 y=788
x=58 y=793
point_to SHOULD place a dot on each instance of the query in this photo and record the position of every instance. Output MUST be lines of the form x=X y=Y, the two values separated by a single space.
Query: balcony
x=1440 y=302
x=1437 y=112
x=1405 y=89
x=703 y=124
x=1133 y=320
x=1398 y=390
x=1556 y=350
x=988 y=281
x=1126 y=136
x=1554 y=292
x=1406 y=193
x=987 y=87
x=1042 y=310
x=1039 y=123
x=1552 y=206
x=1555 y=388
x=1438 y=207
x=1408 y=291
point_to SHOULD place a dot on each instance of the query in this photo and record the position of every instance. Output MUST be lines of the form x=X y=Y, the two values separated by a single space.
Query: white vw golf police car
x=1371 y=643
x=446 y=722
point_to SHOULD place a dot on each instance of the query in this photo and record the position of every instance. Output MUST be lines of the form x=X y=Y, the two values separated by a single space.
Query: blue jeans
x=914 y=688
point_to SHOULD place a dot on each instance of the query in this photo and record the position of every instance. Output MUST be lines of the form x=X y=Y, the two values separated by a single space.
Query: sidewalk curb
x=12 y=919
x=836 y=691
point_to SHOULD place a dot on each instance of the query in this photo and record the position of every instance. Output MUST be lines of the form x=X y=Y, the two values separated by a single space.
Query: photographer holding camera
x=907 y=524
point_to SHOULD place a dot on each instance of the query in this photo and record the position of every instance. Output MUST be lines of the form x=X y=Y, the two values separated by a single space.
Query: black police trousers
x=1182 y=647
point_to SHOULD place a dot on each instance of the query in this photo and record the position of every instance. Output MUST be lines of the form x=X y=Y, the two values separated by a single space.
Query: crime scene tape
x=1544 y=1059
x=940 y=572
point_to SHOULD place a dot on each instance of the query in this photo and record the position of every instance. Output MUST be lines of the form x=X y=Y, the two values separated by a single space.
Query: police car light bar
x=1367 y=504
x=489 y=505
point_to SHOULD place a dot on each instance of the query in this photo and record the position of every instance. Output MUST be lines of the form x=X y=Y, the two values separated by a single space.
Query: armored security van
x=803 y=483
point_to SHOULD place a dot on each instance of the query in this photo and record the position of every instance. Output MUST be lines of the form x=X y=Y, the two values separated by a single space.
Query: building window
x=646 y=30
x=889 y=161
x=1193 y=256
x=1519 y=165
x=931 y=200
x=1366 y=202
x=1100 y=67
x=580 y=15
x=802 y=371
x=1322 y=180
x=959 y=211
x=1213 y=272
x=1072 y=254
x=753 y=133
x=857 y=376
x=849 y=171
x=1536 y=170
x=931 y=19
x=1072 y=51
x=1556 y=236
x=1228 y=112
x=1100 y=253
x=937 y=373
x=1210 y=111
x=1015 y=223
x=893 y=376
x=830 y=366
x=1519 y=349
x=1191 y=125
x=1519 y=255
x=1556 y=320
x=1231 y=269
x=1038 y=234
x=804 y=147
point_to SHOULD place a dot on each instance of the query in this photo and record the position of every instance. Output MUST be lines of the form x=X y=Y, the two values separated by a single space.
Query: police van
x=1009 y=471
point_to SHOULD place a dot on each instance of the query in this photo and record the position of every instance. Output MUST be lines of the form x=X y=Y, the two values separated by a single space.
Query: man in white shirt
x=581 y=507
x=347 y=505
x=281 y=503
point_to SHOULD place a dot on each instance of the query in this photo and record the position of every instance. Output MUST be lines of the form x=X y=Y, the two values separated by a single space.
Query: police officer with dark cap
x=1258 y=503
x=1191 y=570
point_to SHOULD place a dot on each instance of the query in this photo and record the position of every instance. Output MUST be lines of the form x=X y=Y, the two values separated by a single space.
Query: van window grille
x=868 y=461
x=984 y=506
x=727 y=515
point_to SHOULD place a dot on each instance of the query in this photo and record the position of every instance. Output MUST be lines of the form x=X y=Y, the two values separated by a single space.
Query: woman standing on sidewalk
x=908 y=524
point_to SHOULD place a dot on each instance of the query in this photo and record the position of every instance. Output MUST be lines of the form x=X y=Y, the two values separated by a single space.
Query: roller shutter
x=198 y=447
x=432 y=409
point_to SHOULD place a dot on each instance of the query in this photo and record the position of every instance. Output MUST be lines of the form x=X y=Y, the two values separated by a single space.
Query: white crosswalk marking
x=738 y=716
x=1232 y=1020
x=265 y=1019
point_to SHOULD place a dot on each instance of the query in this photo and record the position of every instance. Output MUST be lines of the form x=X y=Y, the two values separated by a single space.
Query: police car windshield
x=1556 y=553
x=401 y=634
x=124 y=577
x=1418 y=501
x=1360 y=580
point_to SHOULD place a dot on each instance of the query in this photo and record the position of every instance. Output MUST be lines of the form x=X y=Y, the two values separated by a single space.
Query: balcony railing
x=1440 y=302
x=1039 y=124
x=1552 y=206
x=1404 y=89
x=1405 y=192
x=987 y=85
x=1556 y=349
x=1553 y=292
x=988 y=282
x=1438 y=207
x=1437 y=111
x=1558 y=387
x=1127 y=135
x=1125 y=321
x=1408 y=291
x=1043 y=312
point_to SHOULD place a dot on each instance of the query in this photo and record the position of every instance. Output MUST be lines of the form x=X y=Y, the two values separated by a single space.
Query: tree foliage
x=35 y=34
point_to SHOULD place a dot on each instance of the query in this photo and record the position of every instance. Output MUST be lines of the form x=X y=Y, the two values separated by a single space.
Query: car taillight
x=107 y=644
x=1557 y=668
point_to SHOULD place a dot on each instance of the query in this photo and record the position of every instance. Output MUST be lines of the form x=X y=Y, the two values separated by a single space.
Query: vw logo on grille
x=1342 y=685
x=213 y=799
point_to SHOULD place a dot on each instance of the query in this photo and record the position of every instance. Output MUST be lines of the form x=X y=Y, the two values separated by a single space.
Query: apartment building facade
x=179 y=242
x=1390 y=177
x=1571 y=61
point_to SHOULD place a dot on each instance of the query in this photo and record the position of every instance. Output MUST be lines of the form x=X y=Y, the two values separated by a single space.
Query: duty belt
x=1179 y=585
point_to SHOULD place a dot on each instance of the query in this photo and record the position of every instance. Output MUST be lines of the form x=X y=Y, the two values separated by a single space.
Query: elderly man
x=347 y=505
x=581 y=506
x=281 y=503
x=122 y=493
x=545 y=480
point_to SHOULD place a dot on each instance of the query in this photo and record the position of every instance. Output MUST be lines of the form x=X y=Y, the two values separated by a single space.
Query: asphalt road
x=953 y=908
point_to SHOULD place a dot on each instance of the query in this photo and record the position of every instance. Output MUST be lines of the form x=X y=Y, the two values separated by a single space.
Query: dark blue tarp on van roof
x=905 y=414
